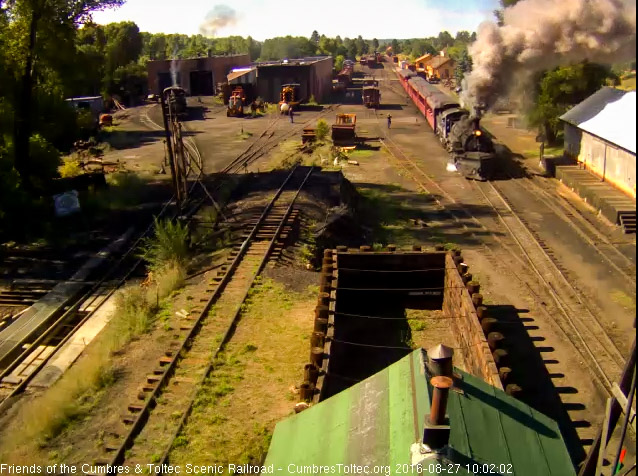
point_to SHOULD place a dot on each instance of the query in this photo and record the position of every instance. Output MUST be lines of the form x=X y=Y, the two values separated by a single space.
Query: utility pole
x=169 y=148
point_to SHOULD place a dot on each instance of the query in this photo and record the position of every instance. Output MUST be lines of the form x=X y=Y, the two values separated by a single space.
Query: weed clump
x=70 y=167
x=168 y=247
x=322 y=129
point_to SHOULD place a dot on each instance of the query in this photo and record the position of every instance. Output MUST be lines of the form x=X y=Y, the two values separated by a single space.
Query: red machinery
x=236 y=103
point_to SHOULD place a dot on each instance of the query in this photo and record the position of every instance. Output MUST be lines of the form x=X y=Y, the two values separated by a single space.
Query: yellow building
x=422 y=62
x=441 y=67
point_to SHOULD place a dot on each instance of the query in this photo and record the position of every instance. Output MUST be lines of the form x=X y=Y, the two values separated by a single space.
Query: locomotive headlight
x=477 y=133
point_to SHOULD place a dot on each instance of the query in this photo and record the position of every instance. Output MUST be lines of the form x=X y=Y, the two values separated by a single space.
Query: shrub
x=168 y=246
x=312 y=101
x=70 y=167
x=322 y=129
x=44 y=159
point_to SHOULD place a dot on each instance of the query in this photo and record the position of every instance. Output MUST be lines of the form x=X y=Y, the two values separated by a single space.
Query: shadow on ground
x=529 y=359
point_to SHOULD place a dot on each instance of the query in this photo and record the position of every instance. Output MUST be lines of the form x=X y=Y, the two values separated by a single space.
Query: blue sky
x=263 y=18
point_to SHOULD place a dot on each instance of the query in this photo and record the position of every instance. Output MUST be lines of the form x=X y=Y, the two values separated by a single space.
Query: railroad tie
x=135 y=408
x=129 y=419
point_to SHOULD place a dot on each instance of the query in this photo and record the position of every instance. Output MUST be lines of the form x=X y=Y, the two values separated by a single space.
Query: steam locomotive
x=471 y=149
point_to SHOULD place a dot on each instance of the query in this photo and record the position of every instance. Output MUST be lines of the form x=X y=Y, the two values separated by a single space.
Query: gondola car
x=471 y=149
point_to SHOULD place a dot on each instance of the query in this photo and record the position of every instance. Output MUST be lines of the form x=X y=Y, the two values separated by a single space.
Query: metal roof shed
x=609 y=114
x=376 y=422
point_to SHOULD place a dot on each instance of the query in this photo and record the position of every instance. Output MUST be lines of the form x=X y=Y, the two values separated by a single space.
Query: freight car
x=345 y=75
x=471 y=149
x=371 y=96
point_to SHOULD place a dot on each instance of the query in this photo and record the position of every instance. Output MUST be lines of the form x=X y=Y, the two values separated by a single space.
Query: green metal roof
x=374 y=423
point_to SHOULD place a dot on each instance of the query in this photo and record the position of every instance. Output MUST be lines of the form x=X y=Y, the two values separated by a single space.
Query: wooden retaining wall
x=466 y=325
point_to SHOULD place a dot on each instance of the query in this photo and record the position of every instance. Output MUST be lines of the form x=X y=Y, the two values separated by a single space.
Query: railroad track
x=188 y=360
x=591 y=341
x=583 y=326
x=36 y=351
x=587 y=231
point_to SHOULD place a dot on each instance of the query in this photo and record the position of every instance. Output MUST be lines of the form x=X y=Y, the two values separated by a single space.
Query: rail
x=141 y=416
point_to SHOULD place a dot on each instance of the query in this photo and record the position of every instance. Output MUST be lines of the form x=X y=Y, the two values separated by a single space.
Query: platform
x=613 y=204
x=44 y=312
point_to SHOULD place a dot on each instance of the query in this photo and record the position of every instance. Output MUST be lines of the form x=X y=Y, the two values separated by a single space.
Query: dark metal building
x=313 y=74
x=198 y=76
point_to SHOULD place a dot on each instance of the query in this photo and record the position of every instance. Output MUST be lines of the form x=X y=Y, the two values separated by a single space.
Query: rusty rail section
x=139 y=414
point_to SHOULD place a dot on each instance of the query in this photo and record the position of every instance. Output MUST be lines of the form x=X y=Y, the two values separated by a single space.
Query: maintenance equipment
x=343 y=130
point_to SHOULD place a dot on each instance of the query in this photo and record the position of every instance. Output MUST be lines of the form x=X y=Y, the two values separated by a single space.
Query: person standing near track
x=389 y=121
x=292 y=119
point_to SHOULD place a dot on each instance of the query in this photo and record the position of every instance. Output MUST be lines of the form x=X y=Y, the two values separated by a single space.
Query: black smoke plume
x=542 y=34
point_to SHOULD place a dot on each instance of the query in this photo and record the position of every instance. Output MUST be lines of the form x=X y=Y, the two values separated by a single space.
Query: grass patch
x=624 y=300
x=286 y=155
x=124 y=190
x=80 y=390
x=387 y=217
x=549 y=151
x=168 y=247
x=70 y=167
x=244 y=135
x=250 y=387
x=628 y=82
x=360 y=154
x=322 y=129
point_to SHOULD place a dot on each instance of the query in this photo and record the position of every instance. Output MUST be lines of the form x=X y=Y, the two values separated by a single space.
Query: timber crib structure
x=360 y=325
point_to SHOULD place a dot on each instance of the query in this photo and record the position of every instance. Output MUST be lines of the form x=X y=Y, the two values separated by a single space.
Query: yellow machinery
x=289 y=97
x=343 y=130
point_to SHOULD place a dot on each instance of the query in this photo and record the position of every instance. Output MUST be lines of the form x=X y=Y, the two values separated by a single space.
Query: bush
x=44 y=158
x=312 y=101
x=168 y=247
x=70 y=167
x=322 y=129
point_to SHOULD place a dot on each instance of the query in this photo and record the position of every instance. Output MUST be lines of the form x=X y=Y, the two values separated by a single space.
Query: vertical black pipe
x=169 y=146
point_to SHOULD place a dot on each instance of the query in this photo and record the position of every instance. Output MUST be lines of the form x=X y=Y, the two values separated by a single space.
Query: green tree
x=339 y=62
x=41 y=29
x=562 y=88
x=396 y=49
x=462 y=37
x=375 y=44
x=444 y=40
x=315 y=37
x=351 y=48
x=287 y=47
x=362 y=46
x=463 y=65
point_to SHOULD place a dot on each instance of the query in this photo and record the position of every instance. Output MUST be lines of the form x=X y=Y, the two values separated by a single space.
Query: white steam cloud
x=543 y=34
